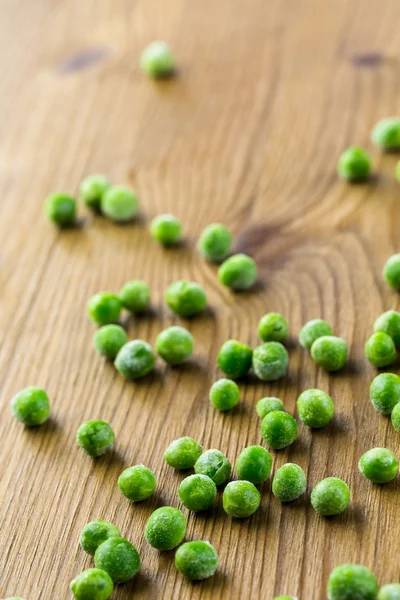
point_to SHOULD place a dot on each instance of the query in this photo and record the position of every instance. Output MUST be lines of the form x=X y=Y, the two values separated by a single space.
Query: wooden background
x=269 y=93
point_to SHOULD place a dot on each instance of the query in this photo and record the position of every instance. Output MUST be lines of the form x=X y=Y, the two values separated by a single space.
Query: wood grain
x=268 y=95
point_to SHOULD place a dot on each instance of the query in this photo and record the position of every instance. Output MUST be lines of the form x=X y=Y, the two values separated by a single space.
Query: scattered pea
x=391 y=271
x=61 y=209
x=273 y=327
x=165 y=528
x=119 y=204
x=137 y=483
x=267 y=405
x=240 y=499
x=135 y=359
x=331 y=496
x=354 y=164
x=234 y=359
x=31 y=406
x=379 y=465
x=391 y=591
x=396 y=417
x=92 y=189
x=104 y=308
x=196 y=560
x=117 y=557
x=315 y=408
x=313 y=330
x=182 y=453
x=157 y=60
x=380 y=350
x=289 y=482
x=389 y=322
x=174 y=345
x=166 y=229
x=352 y=582
x=385 y=392
x=270 y=361
x=215 y=465
x=135 y=296
x=386 y=133
x=186 y=298
x=95 y=584
x=95 y=437
x=197 y=492
x=278 y=429
x=329 y=352
x=95 y=533
x=109 y=339
x=254 y=464
x=215 y=242
x=224 y=394
x=238 y=272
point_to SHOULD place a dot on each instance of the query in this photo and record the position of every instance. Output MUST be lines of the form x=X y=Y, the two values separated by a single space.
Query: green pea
x=119 y=204
x=135 y=359
x=196 y=560
x=157 y=60
x=165 y=528
x=186 y=298
x=240 y=499
x=224 y=394
x=215 y=242
x=182 y=453
x=278 y=429
x=391 y=591
x=386 y=133
x=174 y=345
x=289 y=482
x=215 y=465
x=272 y=327
x=239 y=272
x=95 y=533
x=396 y=417
x=331 y=496
x=95 y=584
x=135 y=296
x=197 y=492
x=117 y=557
x=109 y=339
x=379 y=465
x=92 y=190
x=380 y=350
x=254 y=464
x=354 y=164
x=31 y=406
x=137 y=483
x=95 y=437
x=315 y=408
x=234 y=359
x=104 y=308
x=389 y=322
x=270 y=361
x=330 y=352
x=385 y=392
x=352 y=582
x=166 y=229
x=267 y=405
x=391 y=271
x=313 y=330
x=61 y=209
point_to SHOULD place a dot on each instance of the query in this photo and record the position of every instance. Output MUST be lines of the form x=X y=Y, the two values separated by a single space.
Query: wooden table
x=268 y=95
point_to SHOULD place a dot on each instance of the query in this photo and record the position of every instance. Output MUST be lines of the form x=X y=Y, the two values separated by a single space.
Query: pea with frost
x=186 y=298
x=165 y=528
x=270 y=361
x=196 y=560
x=273 y=327
x=391 y=591
x=215 y=465
x=60 y=209
x=330 y=352
x=95 y=533
x=235 y=358
x=380 y=350
x=238 y=272
x=119 y=558
x=354 y=164
x=240 y=499
x=391 y=271
x=119 y=204
x=174 y=345
x=137 y=483
x=215 y=242
x=267 y=405
x=197 y=492
x=182 y=453
x=331 y=496
x=95 y=584
x=92 y=189
x=313 y=330
x=135 y=296
x=254 y=464
x=95 y=437
x=166 y=229
x=315 y=408
x=389 y=322
x=109 y=339
x=289 y=482
x=104 y=308
x=384 y=392
x=224 y=394
x=157 y=60
x=386 y=133
x=349 y=581
x=31 y=406
x=135 y=359
x=379 y=465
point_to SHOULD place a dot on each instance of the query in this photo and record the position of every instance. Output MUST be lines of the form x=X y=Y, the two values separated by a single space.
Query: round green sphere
x=109 y=339
x=278 y=429
x=385 y=392
x=391 y=591
x=137 y=483
x=31 y=406
x=240 y=499
x=95 y=533
x=330 y=352
x=119 y=204
x=157 y=60
x=135 y=296
x=386 y=133
x=331 y=496
x=95 y=437
x=391 y=271
x=270 y=361
x=117 y=557
x=135 y=359
x=104 y=308
x=267 y=405
x=313 y=330
x=196 y=560
x=166 y=229
x=165 y=528
x=92 y=190
x=254 y=464
x=352 y=582
x=396 y=417
x=289 y=483
x=174 y=345
x=273 y=327
x=92 y=584
x=215 y=242
x=235 y=358
x=197 y=492
x=380 y=350
x=215 y=465
x=379 y=465
x=186 y=298
x=61 y=209
x=315 y=408
x=354 y=164
x=224 y=394
x=238 y=272
x=182 y=453
x=389 y=322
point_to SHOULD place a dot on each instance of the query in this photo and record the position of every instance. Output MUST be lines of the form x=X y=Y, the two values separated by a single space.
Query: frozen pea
x=215 y=242
x=352 y=582
x=270 y=361
x=186 y=298
x=117 y=557
x=391 y=271
x=278 y=429
x=224 y=394
x=157 y=60
x=104 y=308
x=330 y=352
x=254 y=464
x=240 y=499
x=165 y=528
x=234 y=358
x=215 y=465
x=109 y=339
x=380 y=350
x=119 y=204
x=92 y=189
x=238 y=272
x=385 y=392
x=196 y=560
x=331 y=496
x=289 y=482
x=61 y=209
x=396 y=417
x=166 y=229
x=391 y=591
x=182 y=453
x=92 y=584
x=354 y=164
x=379 y=465
x=315 y=408
x=135 y=296
x=273 y=327
x=174 y=345
x=95 y=437
x=267 y=405
x=386 y=133
x=31 y=406
x=135 y=359
x=95 y=533
x=389 y=322
x=197 y=492
x=137 y=483
x=313 y=330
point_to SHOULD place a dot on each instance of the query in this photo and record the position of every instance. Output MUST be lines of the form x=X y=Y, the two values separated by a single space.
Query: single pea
x=215 y=242
x=182 y=453
x=186 y=298
x=137 y=483
x=313 y=330
x=92 y=189
x=135 y=296
x=391 y=591
x=117 y=557
x=385 y=392
x=330 y=352
x=289 y=482
x=379 y=465
x=267 y=405
x=109 y=339
x=104 y=308
x=174 y=345
x=331 y=496
x=215 y=465
x=166 y=229
x=240 y=499
x=389 y=322
x=165 y=528
x=254 y=464
x=354 y=164
x=272 y=327
x=95 y=437
x=135 y=359
x=278 y=429
x=197 y=492
x=119 y=204
x=95 y=533
x=196 y=560
x=396 y=417
x=386 y=133
x=352 y=582
x=380 y=350
x=270 y=361
x=315 y=408
x=238 y=272
x=157 y=60
x=234 y=358
x=93 y=584
x=398 y=171
x=391 y=271
x=61 y=209
x=224 y=394
x=31 y=406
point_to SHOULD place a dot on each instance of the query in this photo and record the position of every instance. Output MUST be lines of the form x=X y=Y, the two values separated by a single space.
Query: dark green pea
x=61 y=209
x=234 y=359
x=254 y=464
x=354 y=164
x=380 y=350
x=117 y=557
x=197 y=492
x=278 y=429
x=385 y=392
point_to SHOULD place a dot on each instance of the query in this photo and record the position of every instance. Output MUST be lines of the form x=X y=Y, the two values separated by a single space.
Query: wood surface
x=268 y=95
